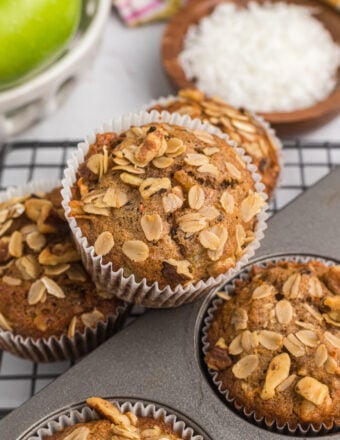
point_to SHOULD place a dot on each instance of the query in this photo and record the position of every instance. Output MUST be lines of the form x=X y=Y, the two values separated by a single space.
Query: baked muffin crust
x=239 y=125
x=44 y=290
x=166 y=203
x=116 y=425
x=276 y=343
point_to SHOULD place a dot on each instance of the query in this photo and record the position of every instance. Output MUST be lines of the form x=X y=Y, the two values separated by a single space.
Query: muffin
x=165 y=203
x=243 y=127
x=274 y=345
x=44 y=289
x=116 y=424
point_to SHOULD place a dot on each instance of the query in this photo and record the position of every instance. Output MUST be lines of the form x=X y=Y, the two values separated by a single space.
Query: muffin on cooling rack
x=274 y=346
x=164 y=203
x=44 y=291
x=116 y=424
x=246 y=129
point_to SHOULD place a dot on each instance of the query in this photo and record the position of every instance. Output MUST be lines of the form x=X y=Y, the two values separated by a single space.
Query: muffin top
x=275 y=343
x=166 y=203
x=44 y=290
x=116 y=425
x=239 y=125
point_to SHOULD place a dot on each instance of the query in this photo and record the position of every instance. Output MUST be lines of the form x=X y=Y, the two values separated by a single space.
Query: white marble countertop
x=126 y=74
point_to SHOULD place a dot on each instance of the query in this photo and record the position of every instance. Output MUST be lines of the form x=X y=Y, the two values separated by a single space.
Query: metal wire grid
x=305 y=164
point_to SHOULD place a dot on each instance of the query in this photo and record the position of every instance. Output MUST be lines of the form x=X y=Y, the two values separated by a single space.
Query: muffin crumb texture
x=116 y=425
x=275 y=343
x=240 y=125
x=166 y=203
x=45 y=290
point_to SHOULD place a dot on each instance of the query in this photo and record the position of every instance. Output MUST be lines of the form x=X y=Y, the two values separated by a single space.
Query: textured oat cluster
x=166 y=203
x=239 y=125
x=275 y=343
x=116 y=426
x=44 y=288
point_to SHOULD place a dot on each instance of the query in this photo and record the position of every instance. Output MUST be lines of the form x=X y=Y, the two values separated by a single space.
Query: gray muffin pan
x=157 y=357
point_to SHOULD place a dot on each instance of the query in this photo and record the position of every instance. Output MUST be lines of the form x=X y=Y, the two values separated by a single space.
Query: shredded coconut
x=270 y=57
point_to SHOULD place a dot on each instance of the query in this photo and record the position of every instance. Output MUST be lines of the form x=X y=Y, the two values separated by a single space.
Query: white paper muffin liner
x=57 y=348
x=166 y=100
x=86 y=414
x=127 y=288
x=208 y=316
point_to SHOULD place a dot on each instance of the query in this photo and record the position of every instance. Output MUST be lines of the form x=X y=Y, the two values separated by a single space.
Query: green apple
x=33 y=34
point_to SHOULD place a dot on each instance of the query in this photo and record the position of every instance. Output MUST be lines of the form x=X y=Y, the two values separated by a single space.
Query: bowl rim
x=72 y=57
x=324 y=109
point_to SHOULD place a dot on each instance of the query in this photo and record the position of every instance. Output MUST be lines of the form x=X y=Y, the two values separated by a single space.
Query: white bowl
x=25 y=104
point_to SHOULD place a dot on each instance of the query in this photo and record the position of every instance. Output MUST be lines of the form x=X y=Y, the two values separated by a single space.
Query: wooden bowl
x=285 y=122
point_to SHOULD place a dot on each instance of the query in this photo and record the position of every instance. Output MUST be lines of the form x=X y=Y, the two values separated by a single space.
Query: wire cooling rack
x=305 y=164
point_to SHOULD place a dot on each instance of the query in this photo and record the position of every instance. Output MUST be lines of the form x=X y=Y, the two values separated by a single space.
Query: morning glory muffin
x=166 y=203
x=275 y=344
x=243 y=127
x=115 y=424
x=44 y=289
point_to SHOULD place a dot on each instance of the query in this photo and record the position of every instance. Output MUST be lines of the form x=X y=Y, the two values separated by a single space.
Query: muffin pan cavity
x=157 y=357
x=80 y=413
x=208 y=311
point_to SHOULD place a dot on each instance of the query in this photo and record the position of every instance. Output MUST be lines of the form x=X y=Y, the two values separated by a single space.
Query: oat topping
x=168 y=193
x=196 y=197
x=270 y=340
x=130 y=179
x=282 y=347
x=239 y=125
x=162 y=162
x=245 y=366
x=36 y=292
x=284 y=311
x=52 y=287
x=227 y=202
x=251 y=206
x=209 y=169
x=152 y=226
x=72 y=327
x=196 y=159
x=171 y=203
x=136 y=250
x=209 y=240
x=235 y=346
x=90 y=319
x=291 y=287
x=263 y=291
x=151 y=186
x=4 y=324
x=104 y=243
x=232 y=171
x=11 y=281
x=45 y=287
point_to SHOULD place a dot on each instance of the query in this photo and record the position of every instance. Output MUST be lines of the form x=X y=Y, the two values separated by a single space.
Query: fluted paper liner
x=57 y=348
x=166 y=100
x=251 y=416
x=86 y=414
x=127 y=288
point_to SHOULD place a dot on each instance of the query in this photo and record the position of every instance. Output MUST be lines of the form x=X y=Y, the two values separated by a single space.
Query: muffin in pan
x=116 y=424
x=274 y=344
x=249 y=131
x=154 y=215
x=45 y=292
